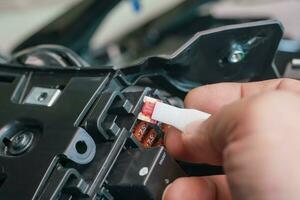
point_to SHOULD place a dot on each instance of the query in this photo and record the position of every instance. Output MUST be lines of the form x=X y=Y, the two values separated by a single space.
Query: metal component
x=292 y=69
x=17 y=136
x=143 y=171
x=20 y=142
x=237 y=54
x=42 y=96
x=82 y=148
x=296 y=63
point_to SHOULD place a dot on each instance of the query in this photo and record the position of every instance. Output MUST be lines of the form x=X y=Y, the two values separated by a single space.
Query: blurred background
x=127 y=30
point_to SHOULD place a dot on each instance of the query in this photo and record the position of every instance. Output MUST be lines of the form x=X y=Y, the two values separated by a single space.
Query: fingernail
x=167 y=188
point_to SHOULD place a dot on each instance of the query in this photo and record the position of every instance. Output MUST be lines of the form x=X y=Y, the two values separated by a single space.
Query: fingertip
x=190 y=146
x=190 y=97
x=173 y=143
x=192 y=188
x=210 y=98
x=196 y=98
x=166 y=192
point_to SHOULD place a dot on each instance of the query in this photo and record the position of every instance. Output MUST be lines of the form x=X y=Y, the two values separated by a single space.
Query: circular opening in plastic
x=81 y=147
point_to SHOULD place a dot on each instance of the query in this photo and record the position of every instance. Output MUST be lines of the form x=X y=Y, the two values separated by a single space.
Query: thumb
x=198 y=144
x=241 y=122
x=204 y=141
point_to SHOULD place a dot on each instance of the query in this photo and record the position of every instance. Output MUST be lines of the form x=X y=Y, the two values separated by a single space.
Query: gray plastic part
x=72 y=152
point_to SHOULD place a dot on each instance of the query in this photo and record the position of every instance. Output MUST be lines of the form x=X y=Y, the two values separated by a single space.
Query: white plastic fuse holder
x=154 y=111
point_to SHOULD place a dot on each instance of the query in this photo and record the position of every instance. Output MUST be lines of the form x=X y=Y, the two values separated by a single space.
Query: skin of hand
x=254 y=133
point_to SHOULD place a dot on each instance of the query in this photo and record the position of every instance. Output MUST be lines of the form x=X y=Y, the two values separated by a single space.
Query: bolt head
x=42 y=97
x=236 y=56
x=20 y=142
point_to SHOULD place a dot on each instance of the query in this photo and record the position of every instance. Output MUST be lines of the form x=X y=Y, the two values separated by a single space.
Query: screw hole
x=81 y=147
x=42 y=96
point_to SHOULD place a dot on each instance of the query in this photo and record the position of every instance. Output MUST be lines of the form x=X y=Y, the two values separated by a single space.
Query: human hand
x=254 y=133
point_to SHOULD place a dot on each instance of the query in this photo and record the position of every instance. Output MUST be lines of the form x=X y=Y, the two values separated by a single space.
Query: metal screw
x=143 y=171
x=296 y=63
x=237 y=54
x=20 y=143
x=42 y=97
x=167 y=181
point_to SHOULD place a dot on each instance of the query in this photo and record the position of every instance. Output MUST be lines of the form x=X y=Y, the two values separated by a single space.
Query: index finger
x=212 y=98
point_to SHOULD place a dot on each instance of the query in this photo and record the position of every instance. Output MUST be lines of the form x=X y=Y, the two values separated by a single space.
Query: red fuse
x=149 y=139
x=147 y=109
x=140 y=130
